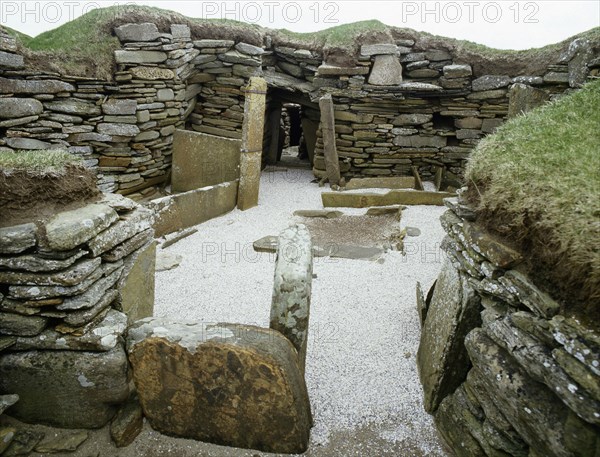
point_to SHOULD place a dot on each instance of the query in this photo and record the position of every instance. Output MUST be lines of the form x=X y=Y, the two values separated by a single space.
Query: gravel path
x=364 y=330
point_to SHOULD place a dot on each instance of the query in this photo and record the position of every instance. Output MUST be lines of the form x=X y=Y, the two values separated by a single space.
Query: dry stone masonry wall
x=401 y=103
x=505 y=371
x=68 y=288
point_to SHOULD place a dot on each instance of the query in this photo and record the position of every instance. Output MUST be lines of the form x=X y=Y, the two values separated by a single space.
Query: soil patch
x=27 y=195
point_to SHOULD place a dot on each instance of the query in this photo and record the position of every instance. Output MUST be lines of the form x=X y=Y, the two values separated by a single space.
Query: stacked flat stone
x=504 y=370
x=61 y=313
x=400 y=105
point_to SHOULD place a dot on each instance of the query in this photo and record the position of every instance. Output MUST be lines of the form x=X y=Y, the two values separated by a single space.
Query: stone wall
x=68 y=287
x=402 y=104
x=505 y=370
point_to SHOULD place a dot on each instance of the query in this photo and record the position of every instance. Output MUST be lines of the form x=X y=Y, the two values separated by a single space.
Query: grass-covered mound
x=36 y=184
x=85 y=46
x=536 y=182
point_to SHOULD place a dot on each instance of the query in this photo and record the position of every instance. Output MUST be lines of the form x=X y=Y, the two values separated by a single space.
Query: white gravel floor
x=364 y=330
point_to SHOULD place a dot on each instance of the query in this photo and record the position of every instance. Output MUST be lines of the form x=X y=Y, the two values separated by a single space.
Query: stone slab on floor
x=394 y=197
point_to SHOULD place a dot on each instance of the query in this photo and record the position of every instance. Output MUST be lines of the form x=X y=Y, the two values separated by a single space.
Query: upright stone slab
x=332 y=164
x=252 y=143
x=442 y=359
x=386 y=71
x=137 y=285
x=228 y=384
x=523 y=98
x=290 y=307
x=66 y=389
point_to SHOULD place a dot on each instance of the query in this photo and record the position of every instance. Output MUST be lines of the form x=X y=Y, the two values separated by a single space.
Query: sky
x=503 y=24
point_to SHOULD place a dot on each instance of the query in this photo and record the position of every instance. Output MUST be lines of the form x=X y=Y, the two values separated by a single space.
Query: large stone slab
x=228 y=384
x=19 y=107
x=523 y=98
x=492 y=248
x=69 y=229
x=16 y=324
x=36 y=263
x=43 y=292
x=187 y=209
x=110 y=128
x=18 y=238
x=66 y=389
x=73 y=106
x=11 y=61
x=386 y=71
x=92 y=296
x=490 y=82
x=69 y=277
x=146 y=31
x=334 y=70
x=378 y=49
x=140 y=57
x=27 y=143
x=393 y=182
x=33 y=86
x=442 y=359
x=290 y=305
x=137 y=284
x=201 y=160
x=394 y=197
x=152 y=73
x=119 y=106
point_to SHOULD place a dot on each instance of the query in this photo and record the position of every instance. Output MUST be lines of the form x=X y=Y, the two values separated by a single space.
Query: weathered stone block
x=146 y=31
x=249 y=49
x=498 y=253
x=140 y=57
x=19 y=107
x=442 y=359
x=11 y=61
x=120 y=106
x=181 y=31
x=85 y=386
x=18 y=238
x=412 y=119
x=69 y=277
x=378 y=49
x=490 y=82
x=27 y=143
x=234 y=385
x=523 y=98
x=32 y=86
x=386 y=71
x=418 y=141
x=73 y=106
x=108 y=128
x=18 y=325
x=457 y=71
x=69 y=229
x=326 y=69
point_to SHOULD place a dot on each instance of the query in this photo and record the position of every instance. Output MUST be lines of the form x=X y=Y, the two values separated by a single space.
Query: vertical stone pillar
x=252 y=143
x=290 y=307
x=332 y=165
x=274 y=121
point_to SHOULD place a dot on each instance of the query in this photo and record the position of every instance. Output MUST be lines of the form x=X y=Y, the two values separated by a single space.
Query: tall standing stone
x=332 y=165
x=290 y=307
x=387 y=71
x=252 y=143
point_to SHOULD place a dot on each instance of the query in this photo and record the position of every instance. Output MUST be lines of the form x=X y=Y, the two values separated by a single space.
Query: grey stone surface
x=6 y=401
x=127 y=424
x=35 y=263
x=249 y=49
x=73 y=106
x=69 y=229
x=128 y=246
x=378 y=49
x=412 y=119
x=108 y=128
x=418 y=141
x=93 y=295
x=152 y=73
x=137 y=32
x=119 y=106
x=69 y=277
x=254 y=371
x=529 y=294
x=140 y=57
x=87 y=386
x=180 y=31
x=523 y=98
x=127 y=227
x=100 y=336
x=18 y=238
x=16 y=324
x=490 y=82
x=238 y=57
x=208 y=43
x=290 y=306
x=85 y=316
x=43 y=292
x=19 y=107
x=136 y=286
x=33 y=86
x=457 y=71
x=386 y=71
x=442 y=359
x=27 y=143
x=11 y=61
